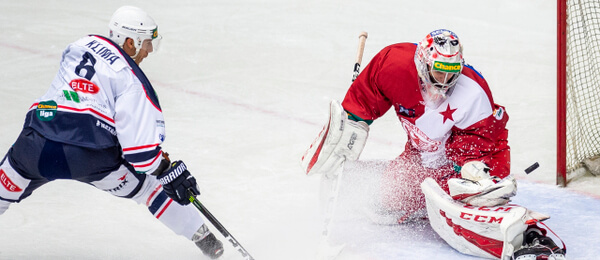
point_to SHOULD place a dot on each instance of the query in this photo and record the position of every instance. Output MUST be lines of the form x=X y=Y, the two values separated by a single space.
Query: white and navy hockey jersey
x=99 y=99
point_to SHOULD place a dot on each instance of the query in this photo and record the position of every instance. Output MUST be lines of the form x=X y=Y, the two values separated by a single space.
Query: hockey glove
x=176 y=181
x=478 y=188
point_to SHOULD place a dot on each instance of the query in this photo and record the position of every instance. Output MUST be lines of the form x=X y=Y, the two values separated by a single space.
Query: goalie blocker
x=341 y=139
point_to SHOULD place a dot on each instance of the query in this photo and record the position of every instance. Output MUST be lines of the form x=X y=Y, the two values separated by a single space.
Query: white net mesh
x=583 y=81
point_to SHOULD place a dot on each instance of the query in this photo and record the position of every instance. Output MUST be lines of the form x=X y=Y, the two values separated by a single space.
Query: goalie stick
x=219 y=227
x=327 y=251
x=362 y=38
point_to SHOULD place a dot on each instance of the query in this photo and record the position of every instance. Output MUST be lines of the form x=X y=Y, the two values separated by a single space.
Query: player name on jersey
x=102 y=51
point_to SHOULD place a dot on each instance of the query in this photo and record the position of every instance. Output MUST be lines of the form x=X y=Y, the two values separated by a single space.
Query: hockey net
x=578 y=87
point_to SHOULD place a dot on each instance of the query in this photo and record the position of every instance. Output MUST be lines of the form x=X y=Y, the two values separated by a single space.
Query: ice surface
x=245 y=88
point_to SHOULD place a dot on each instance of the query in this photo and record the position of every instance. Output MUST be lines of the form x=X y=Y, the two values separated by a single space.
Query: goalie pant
x=34 y=161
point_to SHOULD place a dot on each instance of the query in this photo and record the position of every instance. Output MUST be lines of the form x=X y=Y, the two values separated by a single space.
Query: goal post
x=561 y=176
x=578 y=87
x=561 y=168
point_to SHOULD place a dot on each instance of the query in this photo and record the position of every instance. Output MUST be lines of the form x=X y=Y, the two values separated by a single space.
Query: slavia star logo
x=448 y=113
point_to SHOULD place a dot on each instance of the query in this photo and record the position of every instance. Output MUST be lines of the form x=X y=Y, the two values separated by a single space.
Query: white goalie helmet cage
x=133 y=22
x=438 y=56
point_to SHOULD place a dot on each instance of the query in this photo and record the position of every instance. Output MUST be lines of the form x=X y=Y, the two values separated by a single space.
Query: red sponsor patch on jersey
x=7 y=183
x=84 y=86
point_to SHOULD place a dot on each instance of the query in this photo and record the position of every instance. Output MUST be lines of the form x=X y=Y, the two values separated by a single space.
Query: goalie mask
x=439 y=63
x=132 y=22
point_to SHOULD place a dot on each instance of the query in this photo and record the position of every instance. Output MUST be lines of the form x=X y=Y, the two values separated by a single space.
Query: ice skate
x=208 y=243
x=536 y=245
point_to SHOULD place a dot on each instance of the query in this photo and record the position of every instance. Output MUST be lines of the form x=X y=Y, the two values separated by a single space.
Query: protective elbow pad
x=341 y=139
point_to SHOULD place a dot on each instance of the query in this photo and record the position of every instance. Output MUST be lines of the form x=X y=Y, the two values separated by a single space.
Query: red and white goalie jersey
x=467 y=126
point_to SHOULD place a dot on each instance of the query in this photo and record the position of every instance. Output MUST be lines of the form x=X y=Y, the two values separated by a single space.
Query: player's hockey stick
x=219 y=227
x=327 y=251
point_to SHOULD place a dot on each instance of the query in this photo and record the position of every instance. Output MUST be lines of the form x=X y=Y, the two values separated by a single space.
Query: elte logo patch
x=84 y=86
x=7 y=183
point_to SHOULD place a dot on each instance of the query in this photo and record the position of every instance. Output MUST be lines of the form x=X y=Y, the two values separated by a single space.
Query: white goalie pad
x=341 y=139
x=490 y=232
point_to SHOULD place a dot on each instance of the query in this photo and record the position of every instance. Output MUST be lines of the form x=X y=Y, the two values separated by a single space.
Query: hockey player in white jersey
x=100 y=123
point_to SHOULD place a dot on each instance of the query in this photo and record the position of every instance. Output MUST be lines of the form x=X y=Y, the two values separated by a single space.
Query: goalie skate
x=537 y=245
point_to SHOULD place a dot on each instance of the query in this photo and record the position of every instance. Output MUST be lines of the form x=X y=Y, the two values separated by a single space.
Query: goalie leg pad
x=341 y=139
x=490 y=232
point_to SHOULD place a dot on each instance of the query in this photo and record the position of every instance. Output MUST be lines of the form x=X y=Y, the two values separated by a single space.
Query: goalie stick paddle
x=219 y=226
x=327 y=251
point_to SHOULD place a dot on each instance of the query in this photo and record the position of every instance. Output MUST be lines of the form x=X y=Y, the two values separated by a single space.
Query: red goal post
x=578 y=88
x=561 y=175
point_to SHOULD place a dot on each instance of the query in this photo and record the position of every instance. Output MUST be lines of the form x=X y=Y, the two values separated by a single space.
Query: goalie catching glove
x=176 y=181
x=341 y=139
x=478 y=188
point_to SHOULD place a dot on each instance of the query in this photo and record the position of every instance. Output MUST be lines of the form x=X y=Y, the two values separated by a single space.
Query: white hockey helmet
x=439 y=62
x=132 y=22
